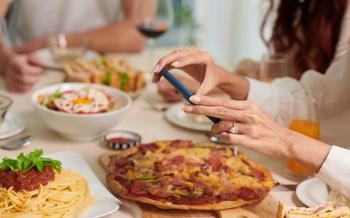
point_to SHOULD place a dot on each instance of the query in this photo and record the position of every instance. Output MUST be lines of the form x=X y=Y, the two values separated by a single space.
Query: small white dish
x=45 y=57
x=177 y=116
x=312 y=192
x=105 y=203
x=11 y=126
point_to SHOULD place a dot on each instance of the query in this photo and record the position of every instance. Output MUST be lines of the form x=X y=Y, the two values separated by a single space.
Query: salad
x=85 y=101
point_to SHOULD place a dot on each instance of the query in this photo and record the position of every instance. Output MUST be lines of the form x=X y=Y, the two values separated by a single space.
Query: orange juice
x=308 y=128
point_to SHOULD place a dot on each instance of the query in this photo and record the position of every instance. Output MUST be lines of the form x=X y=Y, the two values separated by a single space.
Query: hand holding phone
x=183 y=90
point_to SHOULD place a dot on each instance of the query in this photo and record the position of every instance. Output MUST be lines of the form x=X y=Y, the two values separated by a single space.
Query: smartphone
x=183 y=90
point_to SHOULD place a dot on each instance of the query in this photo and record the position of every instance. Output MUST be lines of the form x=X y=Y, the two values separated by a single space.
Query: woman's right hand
x=198 y=64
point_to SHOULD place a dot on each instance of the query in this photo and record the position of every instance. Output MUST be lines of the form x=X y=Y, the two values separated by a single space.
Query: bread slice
x=326 y=210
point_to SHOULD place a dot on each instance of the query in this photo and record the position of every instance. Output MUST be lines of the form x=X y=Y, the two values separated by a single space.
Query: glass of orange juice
x=306 y=117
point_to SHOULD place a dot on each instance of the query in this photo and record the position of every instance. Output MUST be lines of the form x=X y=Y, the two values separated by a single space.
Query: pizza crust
x=116 y=187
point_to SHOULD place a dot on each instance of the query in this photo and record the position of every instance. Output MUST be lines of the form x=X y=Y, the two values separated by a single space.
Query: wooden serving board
x=267 y=208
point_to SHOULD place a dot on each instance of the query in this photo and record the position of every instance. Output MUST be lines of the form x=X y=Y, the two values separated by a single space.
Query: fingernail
x=195 y=99
x=156 y=68
x=188 y=108
x=176 y=64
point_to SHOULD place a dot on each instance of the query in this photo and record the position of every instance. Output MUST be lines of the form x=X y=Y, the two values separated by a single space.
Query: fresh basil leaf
x=20 y=159
x=27 y=165
x=24 y=163
x=36 y=153
x=39 y=164
x=10 y=164
x=53 y=163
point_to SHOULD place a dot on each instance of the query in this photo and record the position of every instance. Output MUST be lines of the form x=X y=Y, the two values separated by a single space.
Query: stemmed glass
x=152 y=18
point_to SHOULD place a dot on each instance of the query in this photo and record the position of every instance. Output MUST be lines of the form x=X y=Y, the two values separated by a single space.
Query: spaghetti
x=67 y=196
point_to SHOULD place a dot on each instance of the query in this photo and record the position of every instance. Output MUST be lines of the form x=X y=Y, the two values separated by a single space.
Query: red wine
x=152 y=29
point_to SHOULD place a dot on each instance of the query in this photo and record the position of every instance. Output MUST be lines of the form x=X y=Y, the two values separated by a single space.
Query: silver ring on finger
x=234 y=129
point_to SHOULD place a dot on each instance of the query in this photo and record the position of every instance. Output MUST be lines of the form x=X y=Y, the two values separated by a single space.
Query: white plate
x=45 y=57
x=11 y=126
x=177 y=116
x=312 y=192
x=105 y=203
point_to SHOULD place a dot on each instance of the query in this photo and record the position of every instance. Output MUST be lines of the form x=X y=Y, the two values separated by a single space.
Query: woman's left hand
x=256 y=130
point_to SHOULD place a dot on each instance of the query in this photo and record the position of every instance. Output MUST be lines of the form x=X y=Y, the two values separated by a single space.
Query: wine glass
x=152 y=18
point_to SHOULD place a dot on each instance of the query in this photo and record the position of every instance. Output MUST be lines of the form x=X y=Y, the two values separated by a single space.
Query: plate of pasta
x=56 y=185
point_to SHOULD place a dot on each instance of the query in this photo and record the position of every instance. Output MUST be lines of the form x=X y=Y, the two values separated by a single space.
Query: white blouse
x=274 y=99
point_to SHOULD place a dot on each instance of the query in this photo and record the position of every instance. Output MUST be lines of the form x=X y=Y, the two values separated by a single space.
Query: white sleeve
x=274 y=98
x=344 y=36
x=335 y=171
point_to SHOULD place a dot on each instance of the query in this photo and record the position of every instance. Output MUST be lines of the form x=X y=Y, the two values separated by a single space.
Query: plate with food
x=88 y=109
x=57 y=185
x=325 y=210
x=185 y=175
x=177 y=116
x=56 y=61
x=110 y=71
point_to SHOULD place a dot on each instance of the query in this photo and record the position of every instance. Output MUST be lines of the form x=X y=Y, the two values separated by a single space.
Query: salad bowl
x=80 y=124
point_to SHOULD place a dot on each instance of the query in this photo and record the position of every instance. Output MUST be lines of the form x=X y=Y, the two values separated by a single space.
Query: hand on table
x=22 y=72
x=200 y=65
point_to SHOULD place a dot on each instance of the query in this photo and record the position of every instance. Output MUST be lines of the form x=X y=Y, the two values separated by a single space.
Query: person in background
x=20 y=72
x=106 y=24
x=311 y=34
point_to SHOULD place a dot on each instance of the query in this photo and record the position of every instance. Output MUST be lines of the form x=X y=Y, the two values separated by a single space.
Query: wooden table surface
x=141 y=118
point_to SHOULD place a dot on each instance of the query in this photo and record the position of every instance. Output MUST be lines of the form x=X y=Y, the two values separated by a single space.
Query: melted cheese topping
x=195 y=166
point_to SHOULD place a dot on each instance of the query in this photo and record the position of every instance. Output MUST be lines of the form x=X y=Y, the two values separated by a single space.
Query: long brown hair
x=312 y=27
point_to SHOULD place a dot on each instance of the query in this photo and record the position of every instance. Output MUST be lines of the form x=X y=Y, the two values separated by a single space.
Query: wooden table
x=141 y=118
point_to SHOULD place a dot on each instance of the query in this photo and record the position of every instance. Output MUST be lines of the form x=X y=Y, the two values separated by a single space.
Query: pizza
x=185 y=175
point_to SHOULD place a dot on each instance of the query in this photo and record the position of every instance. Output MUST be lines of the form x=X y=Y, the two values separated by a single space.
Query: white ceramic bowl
x=81 y=127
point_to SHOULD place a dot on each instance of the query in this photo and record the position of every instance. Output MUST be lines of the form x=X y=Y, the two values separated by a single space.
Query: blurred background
x=228 y=29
